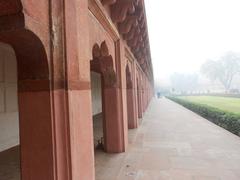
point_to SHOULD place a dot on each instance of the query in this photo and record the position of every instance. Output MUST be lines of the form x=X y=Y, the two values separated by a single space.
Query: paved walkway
x=174 y=143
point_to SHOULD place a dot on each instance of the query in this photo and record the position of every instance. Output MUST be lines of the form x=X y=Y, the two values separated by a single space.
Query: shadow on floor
x=10 y=159
x=10 y=164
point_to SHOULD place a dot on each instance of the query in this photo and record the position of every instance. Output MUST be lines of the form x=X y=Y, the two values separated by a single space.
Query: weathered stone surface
x=173 y=143
x=54 y=42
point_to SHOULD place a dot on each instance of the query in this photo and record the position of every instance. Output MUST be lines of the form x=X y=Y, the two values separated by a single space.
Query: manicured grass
x=228 y=104
x=220 y=115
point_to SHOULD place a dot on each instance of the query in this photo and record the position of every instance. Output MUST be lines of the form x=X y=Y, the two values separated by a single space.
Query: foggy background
x=187 y=37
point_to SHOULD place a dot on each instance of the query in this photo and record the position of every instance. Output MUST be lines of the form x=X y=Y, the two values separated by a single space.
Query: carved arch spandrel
x=102 y=63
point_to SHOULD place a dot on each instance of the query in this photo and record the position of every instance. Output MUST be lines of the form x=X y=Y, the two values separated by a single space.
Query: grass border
x=226 y=120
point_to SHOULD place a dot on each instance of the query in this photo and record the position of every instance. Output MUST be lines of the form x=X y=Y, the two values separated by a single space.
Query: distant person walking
x=158 y=95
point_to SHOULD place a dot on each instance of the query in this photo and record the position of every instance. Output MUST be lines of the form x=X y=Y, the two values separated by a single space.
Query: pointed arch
x=34 y=94
x=130 y=102
x=102 y=63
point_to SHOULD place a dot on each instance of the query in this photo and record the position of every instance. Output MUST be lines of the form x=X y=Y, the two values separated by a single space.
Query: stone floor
x=9 y=164
x=10 y=160
x=97 y=129
x=173 y=143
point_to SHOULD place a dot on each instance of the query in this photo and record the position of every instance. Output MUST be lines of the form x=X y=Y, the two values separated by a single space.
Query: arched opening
x=97 y=92
x=98 y=65
x=132 y=122
x=9 y=116
x=139 y=100
x=97 y=112
x=108 y=127
x=32 y=91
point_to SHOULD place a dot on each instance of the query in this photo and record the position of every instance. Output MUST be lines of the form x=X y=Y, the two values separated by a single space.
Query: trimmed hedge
x=226 y=120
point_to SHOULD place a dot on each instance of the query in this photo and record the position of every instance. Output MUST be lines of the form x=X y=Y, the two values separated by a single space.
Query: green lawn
x=224 y=103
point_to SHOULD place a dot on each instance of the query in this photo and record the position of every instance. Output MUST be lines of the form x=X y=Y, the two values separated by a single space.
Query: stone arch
x=31 y=55
x=102 y=63
x=139 y=98
x=32 y=61
x=34 y=95
x=131 y=114
x=128 y=78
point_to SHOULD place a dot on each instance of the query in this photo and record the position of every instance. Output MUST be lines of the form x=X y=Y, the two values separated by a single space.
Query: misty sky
x=185 y=33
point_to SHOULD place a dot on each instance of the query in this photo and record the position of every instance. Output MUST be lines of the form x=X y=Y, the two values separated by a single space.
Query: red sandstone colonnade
x=55 y=136
x=51 y=40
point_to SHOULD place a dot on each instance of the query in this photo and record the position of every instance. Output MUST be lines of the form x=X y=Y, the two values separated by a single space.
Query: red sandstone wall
x=53 y=43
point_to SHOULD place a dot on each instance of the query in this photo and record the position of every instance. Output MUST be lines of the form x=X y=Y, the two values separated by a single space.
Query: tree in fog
x=223 y=69
x=184 y=82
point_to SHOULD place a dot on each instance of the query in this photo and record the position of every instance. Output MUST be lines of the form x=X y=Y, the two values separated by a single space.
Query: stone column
x=132 y=119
